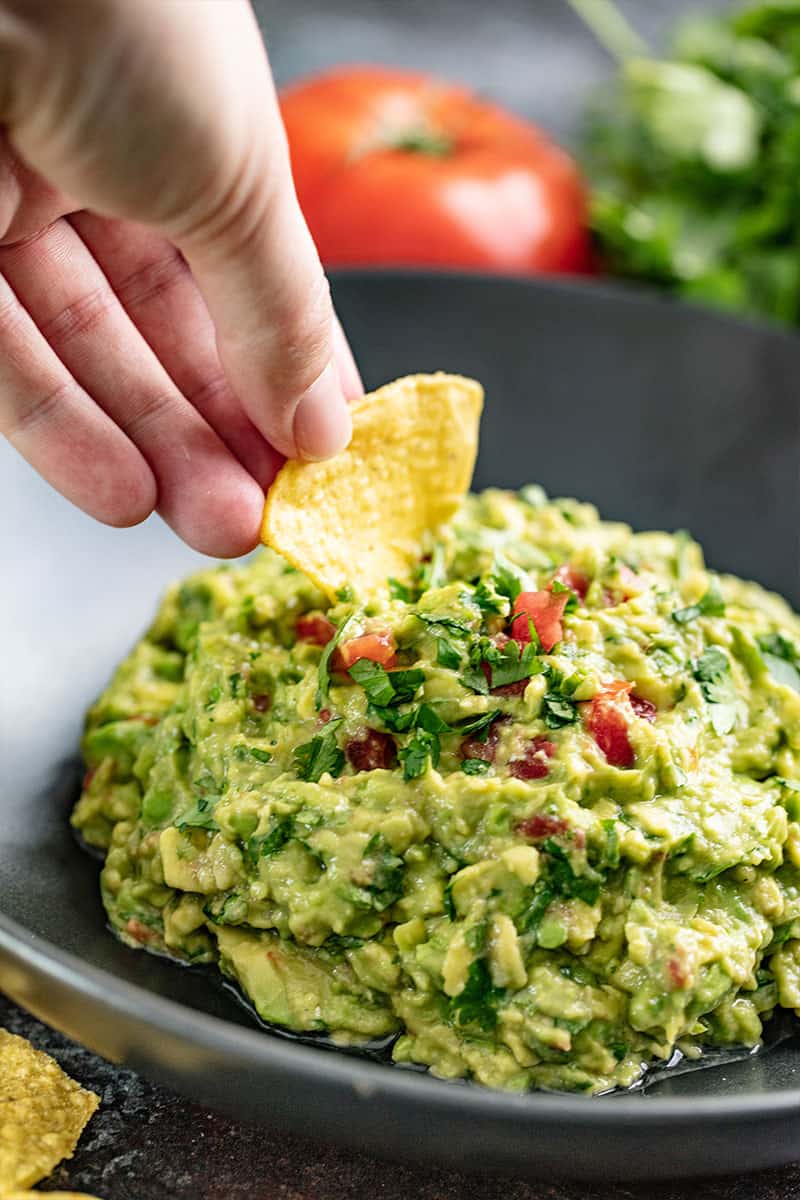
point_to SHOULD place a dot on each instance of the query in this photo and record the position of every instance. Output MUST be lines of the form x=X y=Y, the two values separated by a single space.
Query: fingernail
x=322 y=425
x=349 y=376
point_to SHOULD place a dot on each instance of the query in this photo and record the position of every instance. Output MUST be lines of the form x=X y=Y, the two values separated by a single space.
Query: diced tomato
x=325 y=715
x=473 y=747
x=544 y=610
x=314 y=627
x=378 y=647
x=542 y=825
x=372 y=751
x=139 y=932
x=677 y=973
x=511 y=689
x=572 y=578
x=608 y=725
x=644 y=708
x=534 y=762
x=261 y=701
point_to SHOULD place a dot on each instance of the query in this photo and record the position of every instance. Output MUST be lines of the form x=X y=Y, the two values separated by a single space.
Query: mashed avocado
x=536 y=817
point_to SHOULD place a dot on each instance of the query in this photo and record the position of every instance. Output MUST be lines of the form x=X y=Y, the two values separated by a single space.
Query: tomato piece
x=261 y=701
x=608 y=725
x=542 y=825
x=396 y=167
x=473 y=747
x=545 y=610
x=372 y=751
x=572 y=578
x=314 y=627
x=377 y=647
x=534 y=762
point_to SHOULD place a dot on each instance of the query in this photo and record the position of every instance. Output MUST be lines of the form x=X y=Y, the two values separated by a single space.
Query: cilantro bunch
x=694 y=159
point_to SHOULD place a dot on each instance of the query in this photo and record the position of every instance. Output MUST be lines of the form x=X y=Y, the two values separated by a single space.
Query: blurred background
x=536 y=56
x=681 y=118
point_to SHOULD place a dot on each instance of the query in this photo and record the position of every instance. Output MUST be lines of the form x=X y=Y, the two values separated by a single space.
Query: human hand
x=166 y=331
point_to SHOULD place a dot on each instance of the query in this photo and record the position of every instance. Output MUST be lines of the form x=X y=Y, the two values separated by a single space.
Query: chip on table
x=42 y=1114
x=359 y=518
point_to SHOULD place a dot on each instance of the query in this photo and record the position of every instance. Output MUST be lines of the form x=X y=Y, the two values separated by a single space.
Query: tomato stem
x=421 y=140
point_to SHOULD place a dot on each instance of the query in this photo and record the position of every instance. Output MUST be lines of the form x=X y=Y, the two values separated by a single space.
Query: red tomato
x=398 y=168
x=372 y=751
x=573 y=579
x=379 y=647
x=608 y=720
x=542 y=825
x=534 y=762
x=545 y=610
x=314 y=627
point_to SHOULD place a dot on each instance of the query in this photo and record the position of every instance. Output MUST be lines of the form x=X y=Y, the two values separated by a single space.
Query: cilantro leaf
x=400 y=591
x=488 y=599
x=447 y=655
x=391 y=718
x=562 y=879
x=432 y=574
x=475 y=766
x=452 y=624
x=323 y=670
x=508 y=579
x=262 y=756
x=422 y=749
x=374 y=679
x=781 y=658
x=712 y=671
x=709 y=605
x=478 y=1000
x=197 y=817
x=321 y=755
x=406 y=684
x=558 y=711
x=281 y=831
x=558 y=589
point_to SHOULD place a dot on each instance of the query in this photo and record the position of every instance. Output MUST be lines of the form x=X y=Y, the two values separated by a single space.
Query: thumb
x=165 y=113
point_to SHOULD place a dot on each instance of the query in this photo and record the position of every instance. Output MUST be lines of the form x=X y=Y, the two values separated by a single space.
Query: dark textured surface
x=146 y=1143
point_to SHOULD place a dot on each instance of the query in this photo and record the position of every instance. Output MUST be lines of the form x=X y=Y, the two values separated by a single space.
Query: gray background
x=146 y=1143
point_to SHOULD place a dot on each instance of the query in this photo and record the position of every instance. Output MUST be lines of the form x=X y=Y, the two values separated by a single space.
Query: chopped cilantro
x=508 y=579
x=709 y=605
x=558 y=711
x=489 y=600
x=262 y=756
x=198 y=817
x=477 y=1002
x=558 y=589
x=313 y=759
x=281 y=831
x=323 y=670
x=611 y=850
x=432 y=574
x=235 y=684
x=422 y=749
x=452 y=624
x=563 y=880
x=401 y=591
x=374 y=679
x=712 y=671
x=447 y=655
x=447 y=900
x=475 y=766
x=782 y=659
x=214 y=694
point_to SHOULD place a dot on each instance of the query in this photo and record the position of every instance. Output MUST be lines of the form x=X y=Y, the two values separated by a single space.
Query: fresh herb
x=611 y=851
x=694 y=160
x=489 y=600
x=558 y=710
x=447 y=900
x=401 y=591
x=563 y=880
x=235 y=684
x=392 y=719
x=262 y=756
x=214 y=694
x=432 y=574
x=530 y=918
x=508 y=579
x=447 y=655
x=782 y=659
x=386 y=882
x=558 y=589
x=478 y=1000
x=507 y=664
x=320 y=756
x=709 y=605
x=323 y=670
x=452 y=624
x=281 y=831
x=475 y=766
x=713 y=672
x=421 y=750
x=374 y=679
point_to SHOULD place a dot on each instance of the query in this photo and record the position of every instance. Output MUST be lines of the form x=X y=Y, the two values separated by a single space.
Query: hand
x=166 y=331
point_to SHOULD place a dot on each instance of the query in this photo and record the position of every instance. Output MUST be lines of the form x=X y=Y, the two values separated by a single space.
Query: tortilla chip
x=357 y=519
x=42 y=1113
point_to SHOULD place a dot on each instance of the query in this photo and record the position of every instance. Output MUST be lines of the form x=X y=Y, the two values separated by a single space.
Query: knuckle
x=153 y=280
x=37 y=409
x=148 y=411
x=78 y=318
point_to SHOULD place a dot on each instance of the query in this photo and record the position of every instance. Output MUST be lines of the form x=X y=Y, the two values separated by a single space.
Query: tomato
x=394 y=167
x=378 y=647
x=574 y=579
x=607 y=720
x=545 y=610
x=372 y=751
x=314 y=627
x=534 y=762
x=542 y=825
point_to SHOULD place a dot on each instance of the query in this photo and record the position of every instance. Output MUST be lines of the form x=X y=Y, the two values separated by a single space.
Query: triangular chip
x=42 y=1113
x=357 y=519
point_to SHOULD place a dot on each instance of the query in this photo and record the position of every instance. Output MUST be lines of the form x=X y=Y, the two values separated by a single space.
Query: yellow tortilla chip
x=357 y=519
x=42 y=1113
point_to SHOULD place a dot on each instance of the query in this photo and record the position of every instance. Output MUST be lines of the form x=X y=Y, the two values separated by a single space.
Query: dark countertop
x=146 y=1143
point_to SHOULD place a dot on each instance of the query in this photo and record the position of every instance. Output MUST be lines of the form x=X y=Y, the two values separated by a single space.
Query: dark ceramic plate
x=663 y=415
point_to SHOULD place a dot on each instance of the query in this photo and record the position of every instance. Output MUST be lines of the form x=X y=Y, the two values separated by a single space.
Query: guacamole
x=532 y=820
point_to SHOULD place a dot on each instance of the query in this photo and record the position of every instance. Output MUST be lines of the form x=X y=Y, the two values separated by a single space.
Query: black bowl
x=663 y=415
